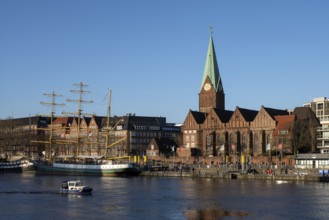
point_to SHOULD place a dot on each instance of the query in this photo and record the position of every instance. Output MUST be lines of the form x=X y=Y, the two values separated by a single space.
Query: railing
x=323 y=128
x=312 y=156
x=322 y=146
x=324 y=137
x=324 y=118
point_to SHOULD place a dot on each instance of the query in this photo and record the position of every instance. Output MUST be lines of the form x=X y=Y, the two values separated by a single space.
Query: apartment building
x=320 y=107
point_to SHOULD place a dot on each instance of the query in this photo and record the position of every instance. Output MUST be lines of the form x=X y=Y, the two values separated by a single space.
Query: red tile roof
x=284 y=123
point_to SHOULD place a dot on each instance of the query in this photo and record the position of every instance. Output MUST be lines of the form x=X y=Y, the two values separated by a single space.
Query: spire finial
x=210 y=29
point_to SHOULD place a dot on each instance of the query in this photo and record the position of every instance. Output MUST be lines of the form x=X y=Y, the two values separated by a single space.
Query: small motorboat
x=75 y=187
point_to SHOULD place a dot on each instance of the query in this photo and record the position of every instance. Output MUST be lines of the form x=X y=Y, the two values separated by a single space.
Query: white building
x=320 y=107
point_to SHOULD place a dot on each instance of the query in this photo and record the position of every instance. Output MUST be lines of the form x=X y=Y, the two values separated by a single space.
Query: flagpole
x=281 y=156
x=276 y=156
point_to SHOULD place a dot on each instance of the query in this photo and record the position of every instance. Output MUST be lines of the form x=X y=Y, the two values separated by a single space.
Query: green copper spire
x=211 y=68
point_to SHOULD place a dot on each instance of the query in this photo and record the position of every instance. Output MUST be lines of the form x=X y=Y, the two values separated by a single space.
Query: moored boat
x=16 y=164
x=89 y=166
x=75 y=187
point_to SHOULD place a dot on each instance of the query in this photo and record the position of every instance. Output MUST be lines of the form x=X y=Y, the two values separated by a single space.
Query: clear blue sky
x=151 y=54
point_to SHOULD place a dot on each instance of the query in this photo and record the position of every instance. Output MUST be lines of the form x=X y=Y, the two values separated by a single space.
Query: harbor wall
x=222 y=174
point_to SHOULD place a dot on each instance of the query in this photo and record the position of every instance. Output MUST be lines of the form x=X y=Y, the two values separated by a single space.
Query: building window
x=319 y=106
x=187 y=138
x=244 y=143
x=256 y=143
x=268 y=139
x=231 y=143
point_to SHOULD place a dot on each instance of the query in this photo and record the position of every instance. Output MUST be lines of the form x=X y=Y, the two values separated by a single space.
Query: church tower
x=212 y=93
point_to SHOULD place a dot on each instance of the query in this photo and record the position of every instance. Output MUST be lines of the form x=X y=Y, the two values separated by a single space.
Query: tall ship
x=86 y=166
x=77 y=163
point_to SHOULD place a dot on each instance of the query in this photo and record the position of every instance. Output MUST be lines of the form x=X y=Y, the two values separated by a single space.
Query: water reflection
x=162 y=198
x=212 y=213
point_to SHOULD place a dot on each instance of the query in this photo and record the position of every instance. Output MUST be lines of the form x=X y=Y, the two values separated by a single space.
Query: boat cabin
x=71 y=184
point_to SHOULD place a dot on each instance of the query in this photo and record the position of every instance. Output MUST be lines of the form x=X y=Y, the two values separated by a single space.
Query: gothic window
x=244 y=143
x=231 y=144
x=220 y=140
x=268 y=142
x=256 y=143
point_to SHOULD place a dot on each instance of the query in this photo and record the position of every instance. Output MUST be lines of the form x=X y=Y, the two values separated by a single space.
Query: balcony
x=323 y=146
x=322 y=129
x=324 y=119
x=322 y=137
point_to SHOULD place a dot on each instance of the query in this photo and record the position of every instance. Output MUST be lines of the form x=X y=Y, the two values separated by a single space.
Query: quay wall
x=215 y=173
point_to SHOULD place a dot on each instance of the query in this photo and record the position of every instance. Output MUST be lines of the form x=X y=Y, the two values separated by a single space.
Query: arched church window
x=244 y=143
x=256 y=143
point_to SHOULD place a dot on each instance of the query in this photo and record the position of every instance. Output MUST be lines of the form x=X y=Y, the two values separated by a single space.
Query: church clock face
x=207 y=86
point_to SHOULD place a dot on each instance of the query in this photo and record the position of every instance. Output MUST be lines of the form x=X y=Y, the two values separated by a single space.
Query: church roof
x=284 y=122
x=199 y=117
x=224 y=115
x=211 y=68
x=249 y=115
x=274 y=112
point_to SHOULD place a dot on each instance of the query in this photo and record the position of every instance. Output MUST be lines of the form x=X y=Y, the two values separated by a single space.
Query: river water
x=30 y=196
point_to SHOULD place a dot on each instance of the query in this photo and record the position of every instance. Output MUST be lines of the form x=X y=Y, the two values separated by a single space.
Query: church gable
x=263 y=120
x=193 y=120
x=241 y=118
x=213 y=121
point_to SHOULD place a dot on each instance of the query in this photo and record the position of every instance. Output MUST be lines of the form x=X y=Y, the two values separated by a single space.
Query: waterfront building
x=242 y=135
x=119 y=137
x=16 y=133
x=320 y=107
x=122 y=136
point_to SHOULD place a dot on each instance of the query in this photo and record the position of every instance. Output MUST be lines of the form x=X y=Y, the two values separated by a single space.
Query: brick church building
x=242 y=135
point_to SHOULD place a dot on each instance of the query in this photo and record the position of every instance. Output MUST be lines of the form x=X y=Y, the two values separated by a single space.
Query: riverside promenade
x=252 y=174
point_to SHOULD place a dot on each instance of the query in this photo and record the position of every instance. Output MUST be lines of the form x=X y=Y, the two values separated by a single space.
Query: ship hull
x=87 y=169
x=16 y=166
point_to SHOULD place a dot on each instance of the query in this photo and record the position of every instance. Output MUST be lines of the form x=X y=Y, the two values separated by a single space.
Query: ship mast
x=108 y=130
x=79 y=113
x=108 y=121
x=52 y=114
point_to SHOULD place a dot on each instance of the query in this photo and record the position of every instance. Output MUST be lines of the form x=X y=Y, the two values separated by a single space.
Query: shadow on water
x=30 y=192
x=40 y=192
x=212 y=213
